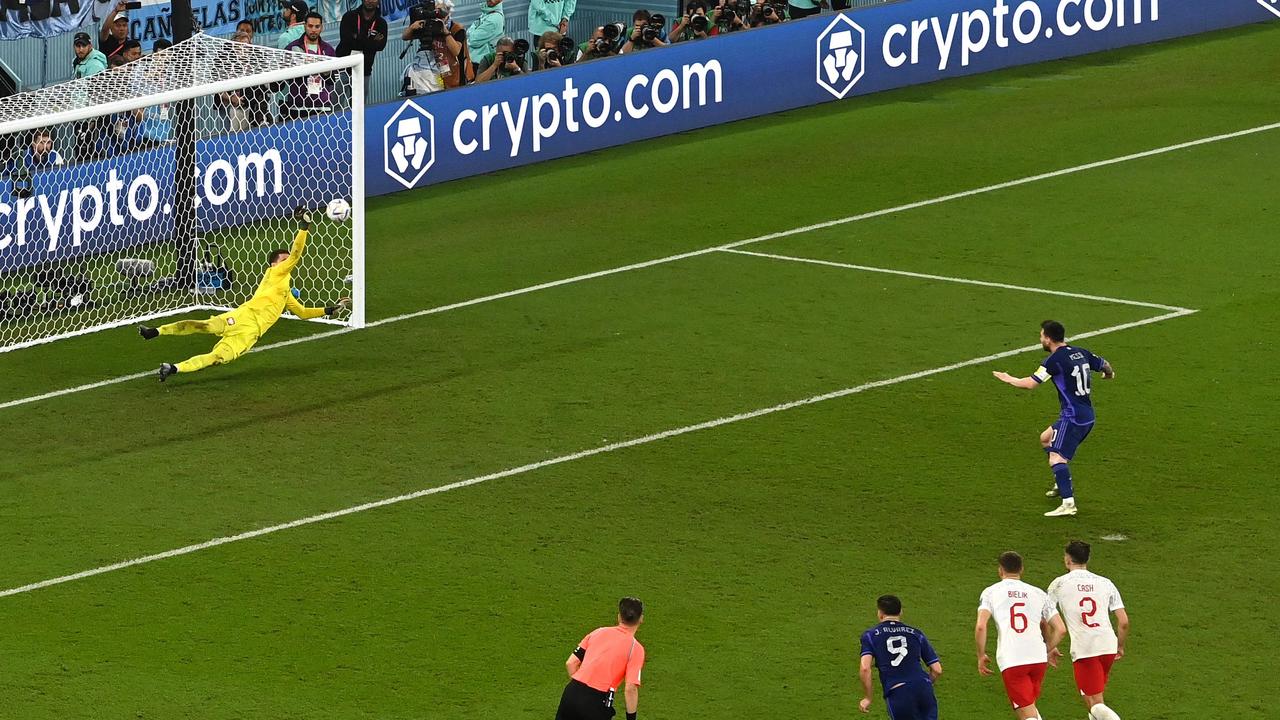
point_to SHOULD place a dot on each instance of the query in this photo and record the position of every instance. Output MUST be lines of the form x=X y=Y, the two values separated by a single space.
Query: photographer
x=694 y=24
x=507 y=61
x=730 y=16
x=441 y=60
x=767 y=12
x=600 y=45
x=484 y=34
x=555 y=50
x=648 y=31
x=363 y=30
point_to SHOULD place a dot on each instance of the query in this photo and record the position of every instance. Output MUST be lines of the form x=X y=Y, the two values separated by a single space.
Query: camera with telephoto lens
x=599 y=47
x=613 y=31
x=699 y=23
x=652 y=28
x=773 y=13
x=564 y=52
x=433 y=16
x=733 y=10
x=517 y=54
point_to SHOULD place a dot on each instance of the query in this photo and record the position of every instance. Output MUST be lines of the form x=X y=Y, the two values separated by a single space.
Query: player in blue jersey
x=898 y=652
x=1071 y=369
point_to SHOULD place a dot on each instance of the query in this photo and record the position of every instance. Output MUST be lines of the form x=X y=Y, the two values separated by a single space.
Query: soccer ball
x=338 y=210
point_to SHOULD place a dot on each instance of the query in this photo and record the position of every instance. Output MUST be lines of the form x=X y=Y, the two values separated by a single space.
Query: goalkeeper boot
x=148 y=333
x=167 y=369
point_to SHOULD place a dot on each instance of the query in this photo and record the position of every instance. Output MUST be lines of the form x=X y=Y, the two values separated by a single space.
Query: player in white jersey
x=1087 y=601
x=1028 y=632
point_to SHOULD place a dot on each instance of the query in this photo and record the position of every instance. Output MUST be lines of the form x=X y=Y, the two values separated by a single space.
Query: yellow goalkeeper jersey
x=275 y=293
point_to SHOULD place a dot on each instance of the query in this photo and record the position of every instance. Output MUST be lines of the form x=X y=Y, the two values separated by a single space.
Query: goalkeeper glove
x=303 y=216
x=340 y=305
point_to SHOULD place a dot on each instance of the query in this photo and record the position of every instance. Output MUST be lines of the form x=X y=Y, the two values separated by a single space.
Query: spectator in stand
x=484 y=34
x=88 y=61
x=159 y=45
x=293 y=12
x=114 y=31
x=797 y=9
x=245 y=26
x=365 y=30
x=547 y=15
x=314 y=93
x=642 y=34
x=505 y=61
x=442 y=61
x=130 y=51
x=694 y=24
x=40 y=156
x=248 y=107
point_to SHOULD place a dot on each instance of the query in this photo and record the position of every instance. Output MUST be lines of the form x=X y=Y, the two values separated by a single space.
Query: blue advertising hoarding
x=647 y=94
x=113 y=205
x=127 y=200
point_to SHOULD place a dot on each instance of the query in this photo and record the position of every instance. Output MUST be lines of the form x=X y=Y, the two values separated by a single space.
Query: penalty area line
x=695 y=253
x=960 y=280
x=531 y=467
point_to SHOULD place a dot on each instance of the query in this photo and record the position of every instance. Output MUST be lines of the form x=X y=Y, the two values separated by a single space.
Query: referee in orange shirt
x=605 y=658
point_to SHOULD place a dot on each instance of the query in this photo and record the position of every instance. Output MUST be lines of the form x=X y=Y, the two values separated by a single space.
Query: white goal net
x=159 y=187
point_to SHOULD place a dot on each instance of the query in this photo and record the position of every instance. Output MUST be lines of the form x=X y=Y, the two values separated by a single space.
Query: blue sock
x=1062 y=474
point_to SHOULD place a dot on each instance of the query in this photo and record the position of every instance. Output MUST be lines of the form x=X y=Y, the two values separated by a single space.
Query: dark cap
x=82 y=39
x=298 y=7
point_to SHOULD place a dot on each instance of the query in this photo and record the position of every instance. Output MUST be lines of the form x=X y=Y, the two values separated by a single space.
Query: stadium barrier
x=590 y=106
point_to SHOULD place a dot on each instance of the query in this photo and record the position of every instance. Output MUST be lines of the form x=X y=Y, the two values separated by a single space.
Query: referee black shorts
x=582 y=702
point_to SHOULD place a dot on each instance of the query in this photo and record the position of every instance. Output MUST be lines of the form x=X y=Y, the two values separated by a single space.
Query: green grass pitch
x=758 y=545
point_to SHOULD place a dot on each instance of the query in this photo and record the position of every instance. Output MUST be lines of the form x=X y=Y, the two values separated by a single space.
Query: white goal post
x=159 y=187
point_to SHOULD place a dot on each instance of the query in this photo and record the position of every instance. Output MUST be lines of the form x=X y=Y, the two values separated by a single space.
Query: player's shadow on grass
x=250 y=392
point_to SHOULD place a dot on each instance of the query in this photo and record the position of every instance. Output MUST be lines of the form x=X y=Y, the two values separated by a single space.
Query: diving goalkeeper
x=241 y=328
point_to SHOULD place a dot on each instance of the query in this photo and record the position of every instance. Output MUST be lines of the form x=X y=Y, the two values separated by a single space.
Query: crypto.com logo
x=842 y=50
x=409 y=144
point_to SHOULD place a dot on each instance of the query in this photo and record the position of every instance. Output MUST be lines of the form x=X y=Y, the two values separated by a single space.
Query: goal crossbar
x=21 y=112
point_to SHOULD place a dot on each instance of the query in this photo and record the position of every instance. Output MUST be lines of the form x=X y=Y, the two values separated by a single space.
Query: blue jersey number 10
x=1081 y=374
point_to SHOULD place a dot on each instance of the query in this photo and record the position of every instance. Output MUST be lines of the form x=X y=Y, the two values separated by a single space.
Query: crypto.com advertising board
x=650 y=93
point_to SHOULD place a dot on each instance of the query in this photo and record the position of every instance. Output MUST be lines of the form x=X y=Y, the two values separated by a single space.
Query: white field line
x=963 y=281
x=682 y=256
x=520 y=470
